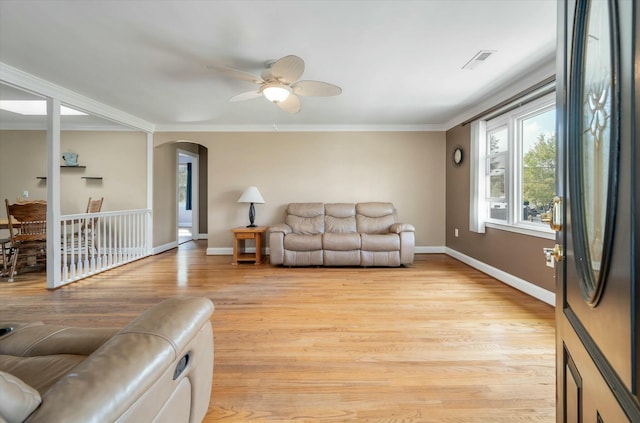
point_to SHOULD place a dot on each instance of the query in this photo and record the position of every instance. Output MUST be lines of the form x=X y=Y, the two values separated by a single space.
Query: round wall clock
x=458 y=155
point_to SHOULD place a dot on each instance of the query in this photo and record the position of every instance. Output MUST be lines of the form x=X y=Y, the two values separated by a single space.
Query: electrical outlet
x=455 y=232
x=25 y=194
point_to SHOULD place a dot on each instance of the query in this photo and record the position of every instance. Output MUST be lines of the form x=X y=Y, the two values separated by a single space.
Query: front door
x=598 y=292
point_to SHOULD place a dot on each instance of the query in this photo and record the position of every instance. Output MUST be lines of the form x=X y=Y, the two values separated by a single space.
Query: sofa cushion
x=38 y=339
x=374 y=225
x=303 y=258
x=306 y=218
x=340 y=217
x=17 y=399
x=297 y=242
x=380 y=242
x=40 y=372
x=341 y=241
x=375 y=209
x=380 y=258
x=375 y=218
x=341 y=258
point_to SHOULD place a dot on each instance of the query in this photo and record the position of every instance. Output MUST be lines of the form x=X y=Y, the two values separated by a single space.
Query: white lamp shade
x=251 y=195
x=276 y=93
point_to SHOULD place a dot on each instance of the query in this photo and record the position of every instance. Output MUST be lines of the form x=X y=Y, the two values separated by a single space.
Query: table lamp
x=251 y=195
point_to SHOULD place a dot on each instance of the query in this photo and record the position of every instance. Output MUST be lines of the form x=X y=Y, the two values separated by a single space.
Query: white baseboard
x=225 y=251
x=203 y=236
x=430 y=250
x=162 y=248
x=507 y=278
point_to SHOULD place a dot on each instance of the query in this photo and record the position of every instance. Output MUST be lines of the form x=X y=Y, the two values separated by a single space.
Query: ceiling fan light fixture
x=276 y=93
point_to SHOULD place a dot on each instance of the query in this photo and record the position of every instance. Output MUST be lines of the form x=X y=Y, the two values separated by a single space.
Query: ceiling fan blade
x=235 y=73
x=315 y=89
x=249 y=95
x=291 y=104
x=288 y=69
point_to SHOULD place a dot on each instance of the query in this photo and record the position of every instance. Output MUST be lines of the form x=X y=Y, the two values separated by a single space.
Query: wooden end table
x=240 y=236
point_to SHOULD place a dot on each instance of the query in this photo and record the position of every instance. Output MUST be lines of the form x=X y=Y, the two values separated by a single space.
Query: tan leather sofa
x=341 y=234
x=158 y=368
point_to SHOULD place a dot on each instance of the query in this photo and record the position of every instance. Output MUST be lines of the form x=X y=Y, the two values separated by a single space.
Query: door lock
x=558 y=253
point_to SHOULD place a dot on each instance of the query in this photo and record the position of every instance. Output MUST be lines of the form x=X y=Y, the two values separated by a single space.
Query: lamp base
x=252 y=216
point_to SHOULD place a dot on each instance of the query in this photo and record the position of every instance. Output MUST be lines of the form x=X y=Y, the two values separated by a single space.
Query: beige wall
x=119 y=157
x=203 y=188
x=405 y=168
x=23 y=157
x=164 y=195
x=517 y=254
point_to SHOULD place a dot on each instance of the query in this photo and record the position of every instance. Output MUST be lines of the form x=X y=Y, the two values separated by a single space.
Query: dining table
x=4 y=223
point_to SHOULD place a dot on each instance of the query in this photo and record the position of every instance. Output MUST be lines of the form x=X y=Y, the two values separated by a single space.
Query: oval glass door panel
x=595 y=169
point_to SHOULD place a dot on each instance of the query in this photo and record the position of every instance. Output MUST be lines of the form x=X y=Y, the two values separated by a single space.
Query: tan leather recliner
x=158 y=368
x=342 y=234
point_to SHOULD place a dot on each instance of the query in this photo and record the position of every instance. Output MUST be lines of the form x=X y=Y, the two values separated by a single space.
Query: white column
x=149 y=228
x=53 y=193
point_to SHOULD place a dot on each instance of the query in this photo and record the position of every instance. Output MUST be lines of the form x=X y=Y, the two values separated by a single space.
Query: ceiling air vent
x=478 y=59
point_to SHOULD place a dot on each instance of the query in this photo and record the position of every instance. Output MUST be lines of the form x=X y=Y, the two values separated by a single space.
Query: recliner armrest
x=282 y=227
x=131 y=376
x=401 y=227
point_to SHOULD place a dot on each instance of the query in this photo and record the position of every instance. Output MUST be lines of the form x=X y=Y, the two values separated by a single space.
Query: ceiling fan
x=279 y=83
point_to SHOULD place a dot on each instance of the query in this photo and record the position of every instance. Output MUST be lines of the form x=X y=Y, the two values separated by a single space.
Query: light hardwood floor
x=436 y=342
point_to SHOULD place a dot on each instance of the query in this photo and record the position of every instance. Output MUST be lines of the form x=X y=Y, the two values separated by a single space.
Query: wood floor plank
x=436 y=342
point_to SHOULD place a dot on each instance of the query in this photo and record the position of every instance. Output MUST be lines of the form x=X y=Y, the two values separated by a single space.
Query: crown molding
x=299 y=128
x=38 y=86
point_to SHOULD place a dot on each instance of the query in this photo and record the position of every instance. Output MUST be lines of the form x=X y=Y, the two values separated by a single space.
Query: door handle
x=553 y=217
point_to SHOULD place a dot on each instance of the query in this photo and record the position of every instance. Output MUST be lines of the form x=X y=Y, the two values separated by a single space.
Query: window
x=515 y=174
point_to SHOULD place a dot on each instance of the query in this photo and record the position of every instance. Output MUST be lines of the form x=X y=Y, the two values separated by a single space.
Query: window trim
x=479 y=213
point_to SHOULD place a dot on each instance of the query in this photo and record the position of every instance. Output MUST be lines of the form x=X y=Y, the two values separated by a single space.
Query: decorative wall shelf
x=92 y=178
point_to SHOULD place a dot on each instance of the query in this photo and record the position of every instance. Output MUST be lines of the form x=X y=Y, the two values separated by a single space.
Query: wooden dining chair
x=88 y=225
x=94 y=206
x=27 y=223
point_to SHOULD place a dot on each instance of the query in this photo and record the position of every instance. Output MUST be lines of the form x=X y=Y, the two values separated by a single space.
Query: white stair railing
x=95 y=242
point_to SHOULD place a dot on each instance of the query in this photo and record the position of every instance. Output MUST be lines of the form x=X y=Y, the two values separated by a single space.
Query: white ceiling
x=398 y=62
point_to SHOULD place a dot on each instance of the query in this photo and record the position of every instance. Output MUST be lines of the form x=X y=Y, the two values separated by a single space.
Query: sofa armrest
x=37 y=339
x=276 y=242
x=396 y=228
x=282 y=227
x=406 y=232
x=276 y=248
x=135 y=375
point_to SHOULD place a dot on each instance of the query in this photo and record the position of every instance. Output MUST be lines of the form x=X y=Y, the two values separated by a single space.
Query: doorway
x=187 y=196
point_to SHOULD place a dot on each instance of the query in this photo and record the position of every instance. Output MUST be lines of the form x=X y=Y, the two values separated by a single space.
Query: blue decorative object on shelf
x=70 y=159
